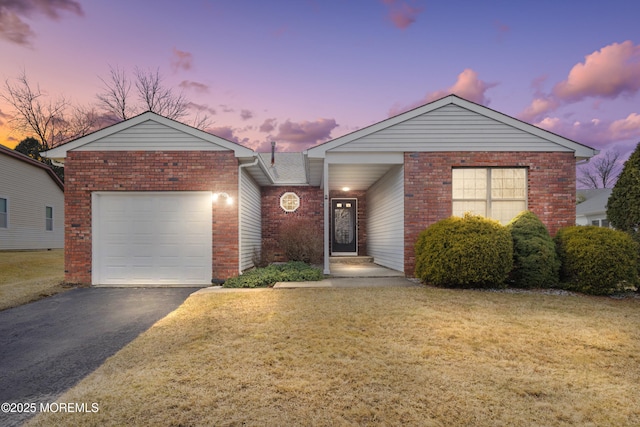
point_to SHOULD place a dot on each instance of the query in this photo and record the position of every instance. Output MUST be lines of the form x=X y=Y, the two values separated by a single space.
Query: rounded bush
x=597 y=260
x=464 y=252
x=535 y=260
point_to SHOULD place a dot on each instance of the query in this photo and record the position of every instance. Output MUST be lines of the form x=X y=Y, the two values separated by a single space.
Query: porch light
x=216 y=196
x=345 y=188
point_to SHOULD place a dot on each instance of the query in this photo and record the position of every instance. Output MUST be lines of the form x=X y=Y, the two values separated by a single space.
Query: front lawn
x=30 y=275
x=374 y=356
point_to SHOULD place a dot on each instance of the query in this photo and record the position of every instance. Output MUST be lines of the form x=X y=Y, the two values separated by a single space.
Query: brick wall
x=551 y=185
x=86 y=172
x=275 y=219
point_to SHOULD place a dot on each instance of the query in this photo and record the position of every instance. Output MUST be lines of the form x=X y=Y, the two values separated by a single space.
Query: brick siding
x=90 y=171
x=275 y=219
x=551 y=188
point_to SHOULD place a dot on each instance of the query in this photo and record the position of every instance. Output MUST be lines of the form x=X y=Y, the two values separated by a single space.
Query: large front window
x=498 y=193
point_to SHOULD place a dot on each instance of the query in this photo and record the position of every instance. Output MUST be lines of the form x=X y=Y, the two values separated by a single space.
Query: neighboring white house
x=593 y=210
x=31 y=203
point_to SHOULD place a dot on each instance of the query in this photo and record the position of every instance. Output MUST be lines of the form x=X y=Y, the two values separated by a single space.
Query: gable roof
x=451 y=124
x=595 y=201
x=148 y=131
x=19 y=156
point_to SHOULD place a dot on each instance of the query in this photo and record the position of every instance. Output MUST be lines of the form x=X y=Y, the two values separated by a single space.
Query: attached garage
x=152 y=238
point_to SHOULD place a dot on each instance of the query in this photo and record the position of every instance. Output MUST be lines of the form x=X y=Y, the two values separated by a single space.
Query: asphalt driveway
x=47 y=346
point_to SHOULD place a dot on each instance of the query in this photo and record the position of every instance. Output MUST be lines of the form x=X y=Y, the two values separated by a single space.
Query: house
x=153 y=201
x=592 y=207
x=31 y=204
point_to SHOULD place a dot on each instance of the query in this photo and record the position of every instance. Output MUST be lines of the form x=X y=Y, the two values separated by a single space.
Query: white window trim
x=488 y=199
x=289 y=193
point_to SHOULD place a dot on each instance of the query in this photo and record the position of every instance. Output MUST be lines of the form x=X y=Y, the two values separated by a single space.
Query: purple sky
x=302 y=72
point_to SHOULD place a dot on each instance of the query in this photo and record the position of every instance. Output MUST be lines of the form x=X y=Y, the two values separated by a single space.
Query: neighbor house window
x=289 y=202
x=498 y=193
x=4 y=213
x=49 y=218
x=600 y=223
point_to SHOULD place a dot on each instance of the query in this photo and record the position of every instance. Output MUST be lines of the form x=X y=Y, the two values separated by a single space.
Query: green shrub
x=293 y=271
x=464 y=252
x=535 y=260
x=301 y=240
x=597 y=260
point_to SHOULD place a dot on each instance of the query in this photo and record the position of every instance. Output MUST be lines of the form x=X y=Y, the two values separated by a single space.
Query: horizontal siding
x=451 y=128
x=250 y=221
x=151 y=136
x=29 y=189
x=385 y=220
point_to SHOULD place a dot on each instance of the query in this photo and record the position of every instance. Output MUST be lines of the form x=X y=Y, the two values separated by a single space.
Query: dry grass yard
x=378 y=356
x=30 y=275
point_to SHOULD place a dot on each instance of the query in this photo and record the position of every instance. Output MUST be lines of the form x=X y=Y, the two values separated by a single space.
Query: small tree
x=535 y=261
x=623 y=207
x=31 y=147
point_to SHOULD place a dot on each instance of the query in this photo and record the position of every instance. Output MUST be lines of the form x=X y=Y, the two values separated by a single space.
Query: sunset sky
x=301 y=72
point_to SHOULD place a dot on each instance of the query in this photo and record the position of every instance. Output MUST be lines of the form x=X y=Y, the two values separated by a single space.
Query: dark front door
x=343 y=226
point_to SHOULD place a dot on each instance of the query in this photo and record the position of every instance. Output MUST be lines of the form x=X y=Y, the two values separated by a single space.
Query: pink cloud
x=268 y=125
x=201 y=108
x=225 y=132
x=401 y=14
x=609 y=72
x=467 y=86
x=502 y=28
x=539 y=106
x=12 y=12
x=597 y=133
x=306 y=133
x=181 y=60
x=194 y=86
x=246 y=114
x=627 y=128
x=612 y=71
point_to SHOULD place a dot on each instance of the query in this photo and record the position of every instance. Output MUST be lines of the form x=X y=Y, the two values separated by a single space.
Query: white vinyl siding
x=150 y=136
x=28 y=189
x=152 y=238
x=385 y=220
x=250 y=220
x=498 y=193
x=450 y=128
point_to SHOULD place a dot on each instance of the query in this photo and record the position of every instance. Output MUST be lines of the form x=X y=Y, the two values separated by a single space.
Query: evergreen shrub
x=597 y=260
x=464 y=252
x=293 y=271
x=535 y=259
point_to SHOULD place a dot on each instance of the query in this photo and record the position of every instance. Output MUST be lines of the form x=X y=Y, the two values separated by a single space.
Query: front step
x=350 y=259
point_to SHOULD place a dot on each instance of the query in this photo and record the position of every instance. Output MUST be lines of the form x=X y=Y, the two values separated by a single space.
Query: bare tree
x=82 y=121
x=115 y=98
x=157 y=98
x=123 y=100
x=602 y=171
x=34 y=114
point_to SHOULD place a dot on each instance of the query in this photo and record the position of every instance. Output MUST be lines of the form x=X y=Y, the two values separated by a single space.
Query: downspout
x=327 y=223
x=255 y=162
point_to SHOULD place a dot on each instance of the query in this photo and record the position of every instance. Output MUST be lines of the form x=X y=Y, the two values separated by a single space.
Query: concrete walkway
x=362 y=275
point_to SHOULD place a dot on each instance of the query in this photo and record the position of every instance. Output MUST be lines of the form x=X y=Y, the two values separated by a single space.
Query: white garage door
x=151 y=238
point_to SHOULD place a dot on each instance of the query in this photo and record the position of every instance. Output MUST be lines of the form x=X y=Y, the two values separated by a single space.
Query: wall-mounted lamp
x=215 y=196
x=345 y=188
